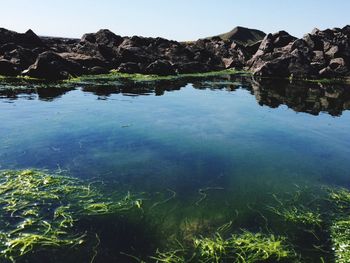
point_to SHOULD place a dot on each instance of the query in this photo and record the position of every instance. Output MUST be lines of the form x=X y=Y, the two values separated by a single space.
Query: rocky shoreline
x=319 y=54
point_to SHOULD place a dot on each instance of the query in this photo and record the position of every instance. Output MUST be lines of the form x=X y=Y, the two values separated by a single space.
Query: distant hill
x=242 y=35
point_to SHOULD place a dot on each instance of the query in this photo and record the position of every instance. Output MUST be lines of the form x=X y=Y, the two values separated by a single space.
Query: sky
x=173 y=19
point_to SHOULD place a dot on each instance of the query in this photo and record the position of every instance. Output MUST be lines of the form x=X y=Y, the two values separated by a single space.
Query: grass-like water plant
x=173 y=256
x=299 y=215
x=246 y=247
x=340 y=234
x=341 y=197
x=340 y=226
x=39 y=210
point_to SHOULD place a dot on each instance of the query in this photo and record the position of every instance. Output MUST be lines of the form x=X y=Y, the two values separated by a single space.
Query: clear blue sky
x=173 y=19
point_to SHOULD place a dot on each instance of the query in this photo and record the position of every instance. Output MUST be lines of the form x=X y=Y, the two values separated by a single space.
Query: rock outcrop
x=242 y=35
x=320 y=54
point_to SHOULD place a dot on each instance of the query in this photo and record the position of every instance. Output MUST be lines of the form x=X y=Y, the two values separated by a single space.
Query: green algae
x=329 y=81
x=39 y=211
x=244 y=247
x=340 y=197
x=340 y=226
x=299 y=215
x=301 y=207
x=115 y=76
x=340 y=235
x=247 y=247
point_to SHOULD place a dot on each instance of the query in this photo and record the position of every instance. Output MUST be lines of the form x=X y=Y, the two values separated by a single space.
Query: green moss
x=39 y=211
x=19 y=77
x=115 y=75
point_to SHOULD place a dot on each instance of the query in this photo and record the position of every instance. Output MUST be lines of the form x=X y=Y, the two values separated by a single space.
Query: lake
x=202 y=152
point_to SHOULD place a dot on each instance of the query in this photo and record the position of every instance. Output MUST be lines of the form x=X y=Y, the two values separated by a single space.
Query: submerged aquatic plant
x=340 y=234
x=38 y=211
x=340 y=226
x=341 y=197
x=244 y=247
x=174 y=256
x=299 y=207
x=299 y=215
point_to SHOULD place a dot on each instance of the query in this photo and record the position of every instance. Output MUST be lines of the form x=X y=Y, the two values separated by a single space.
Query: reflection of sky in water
x=183 y=140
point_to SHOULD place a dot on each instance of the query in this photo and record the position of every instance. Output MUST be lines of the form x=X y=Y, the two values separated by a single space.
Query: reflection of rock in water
x=304 y=97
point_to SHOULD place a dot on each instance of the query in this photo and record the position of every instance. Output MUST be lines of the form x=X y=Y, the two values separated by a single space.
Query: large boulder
x=191 y=67
x=21 y=57
x=28 y=39
x=7 y=68
x=97 y=70
x=52 y=66
x=129 y=67
x=272 y=47
x=160 y=67
x=101 y=45
x=86 y=62
x=317 y=55
x=103 y=37
x=277 y=67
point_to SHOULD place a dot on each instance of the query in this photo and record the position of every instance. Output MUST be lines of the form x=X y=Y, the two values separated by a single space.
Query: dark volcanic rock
x=129 y=67
x=191 y=67
x=310 y=98
x=52 y=66
x=98 y=70
x=21 y=57
x=7 y=68
x=160 y=67
x=28 y=39
x=318 y=54
x=103 y=37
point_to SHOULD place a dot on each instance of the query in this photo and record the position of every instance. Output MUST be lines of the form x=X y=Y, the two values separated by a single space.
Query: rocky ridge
x=319 y=54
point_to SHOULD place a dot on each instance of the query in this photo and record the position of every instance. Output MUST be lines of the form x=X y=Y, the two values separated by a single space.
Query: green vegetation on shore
x=115 y=75
x=137 y=77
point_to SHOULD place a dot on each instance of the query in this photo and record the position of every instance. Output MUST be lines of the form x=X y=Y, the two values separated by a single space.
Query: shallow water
x=205 y=152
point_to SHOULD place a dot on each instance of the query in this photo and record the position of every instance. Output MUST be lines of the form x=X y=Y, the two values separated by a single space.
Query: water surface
x=217 y=148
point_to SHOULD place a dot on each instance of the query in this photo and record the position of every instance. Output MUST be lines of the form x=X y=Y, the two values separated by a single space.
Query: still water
x=208 y=151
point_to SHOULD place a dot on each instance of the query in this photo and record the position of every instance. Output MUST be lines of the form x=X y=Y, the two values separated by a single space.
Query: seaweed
x=247 y=247
x=299 y=215
x=340 y=227
x=39 y=210
x=340 y=234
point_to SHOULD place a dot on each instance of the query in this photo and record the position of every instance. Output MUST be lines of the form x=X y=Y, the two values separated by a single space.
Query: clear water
x=237 y=140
